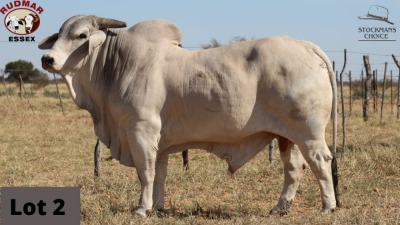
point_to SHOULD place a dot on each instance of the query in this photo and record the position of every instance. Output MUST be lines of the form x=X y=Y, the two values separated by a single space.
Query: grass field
x=42 y=147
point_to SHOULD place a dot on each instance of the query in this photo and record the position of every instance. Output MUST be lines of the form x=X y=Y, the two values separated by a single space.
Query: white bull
x=13 y=23
x=149 y=97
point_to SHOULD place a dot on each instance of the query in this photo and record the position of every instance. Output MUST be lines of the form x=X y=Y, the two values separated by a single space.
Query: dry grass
x=49 y=149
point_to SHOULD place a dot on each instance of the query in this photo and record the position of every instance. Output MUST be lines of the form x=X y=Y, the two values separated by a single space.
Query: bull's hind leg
x=318 y=156
x=294 y=164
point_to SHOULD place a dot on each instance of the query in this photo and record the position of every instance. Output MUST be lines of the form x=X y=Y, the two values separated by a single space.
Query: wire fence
x=352 y=65
x=338 y=62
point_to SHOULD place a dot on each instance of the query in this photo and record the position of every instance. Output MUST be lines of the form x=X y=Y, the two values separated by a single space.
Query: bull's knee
x=316 y=153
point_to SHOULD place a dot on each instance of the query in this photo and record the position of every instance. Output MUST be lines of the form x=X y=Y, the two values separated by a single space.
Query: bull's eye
x=82 y=36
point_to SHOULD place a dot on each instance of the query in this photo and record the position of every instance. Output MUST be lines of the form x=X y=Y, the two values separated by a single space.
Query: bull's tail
x=332 y=78
x=335 y=173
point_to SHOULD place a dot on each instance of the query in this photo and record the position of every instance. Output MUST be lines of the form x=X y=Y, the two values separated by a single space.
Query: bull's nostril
x=50 y=61
x=47 y=60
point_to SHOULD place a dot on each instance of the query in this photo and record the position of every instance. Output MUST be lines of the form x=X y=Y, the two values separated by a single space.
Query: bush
x=8 y=91
x=40 y=82
x=30 y=94
x=54 y=94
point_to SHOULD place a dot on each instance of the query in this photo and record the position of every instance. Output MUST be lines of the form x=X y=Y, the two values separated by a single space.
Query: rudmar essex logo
x=21 y=18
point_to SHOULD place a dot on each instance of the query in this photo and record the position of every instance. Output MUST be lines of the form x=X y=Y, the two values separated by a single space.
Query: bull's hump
x=157 y=30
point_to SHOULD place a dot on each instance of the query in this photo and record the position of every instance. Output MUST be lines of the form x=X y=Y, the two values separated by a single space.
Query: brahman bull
x=13 y=23
x=149 y=97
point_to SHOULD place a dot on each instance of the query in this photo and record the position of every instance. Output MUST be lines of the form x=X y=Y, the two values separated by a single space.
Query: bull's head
x=77 y=37
x=13 y=23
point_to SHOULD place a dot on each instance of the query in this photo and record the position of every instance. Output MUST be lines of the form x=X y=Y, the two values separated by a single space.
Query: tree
x=25 y=69
x=1 y=75
x=214 y=43
x=237 y=39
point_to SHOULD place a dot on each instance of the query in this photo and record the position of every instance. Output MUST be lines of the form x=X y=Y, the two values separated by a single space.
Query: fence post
x=395 y=61
x=334 y=69
x=374 y=90
x=391 y=92
x=338 y=86
x=97 y=158
x=350 y=94
x=367 y=87
x=59 y=95
x=398 y=96
x=383 y=91
x=343 y=111
x=398 y=86
x=362 y=86
x=271 y=148
x=22 y=87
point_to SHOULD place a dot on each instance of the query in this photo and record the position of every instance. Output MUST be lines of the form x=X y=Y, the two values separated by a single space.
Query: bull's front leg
x=143 y=142
x=159 y=181
x=146 y=173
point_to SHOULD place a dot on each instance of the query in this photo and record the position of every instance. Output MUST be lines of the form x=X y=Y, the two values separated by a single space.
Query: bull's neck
x=90 y=85
x=111 y=71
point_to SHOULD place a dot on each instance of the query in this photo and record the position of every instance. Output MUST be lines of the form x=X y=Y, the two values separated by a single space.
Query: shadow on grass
x=197 y=211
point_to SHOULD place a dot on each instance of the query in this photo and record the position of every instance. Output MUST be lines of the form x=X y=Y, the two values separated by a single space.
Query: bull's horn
x=109 y=23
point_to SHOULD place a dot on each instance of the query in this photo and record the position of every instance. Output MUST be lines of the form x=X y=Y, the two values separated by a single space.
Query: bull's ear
x=48 y=42
x=96 y=39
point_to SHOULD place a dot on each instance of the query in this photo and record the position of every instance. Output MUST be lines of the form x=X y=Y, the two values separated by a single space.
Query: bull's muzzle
x=47 y=62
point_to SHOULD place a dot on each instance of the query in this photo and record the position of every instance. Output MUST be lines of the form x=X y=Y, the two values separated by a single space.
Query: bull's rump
x=273 y=85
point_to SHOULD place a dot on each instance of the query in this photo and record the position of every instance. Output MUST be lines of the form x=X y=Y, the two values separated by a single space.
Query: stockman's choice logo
x=21 y=18
x=374 y=32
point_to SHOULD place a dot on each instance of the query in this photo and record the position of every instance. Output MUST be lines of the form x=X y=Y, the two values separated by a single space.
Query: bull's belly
x=236 y=153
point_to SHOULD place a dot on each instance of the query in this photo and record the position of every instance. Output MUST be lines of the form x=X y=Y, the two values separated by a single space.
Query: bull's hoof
x=278 y=211
x=161 y=212
x=328 y=207
x=328 y=210
x=282 y=208
x=158 y=207
x=141 y=212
